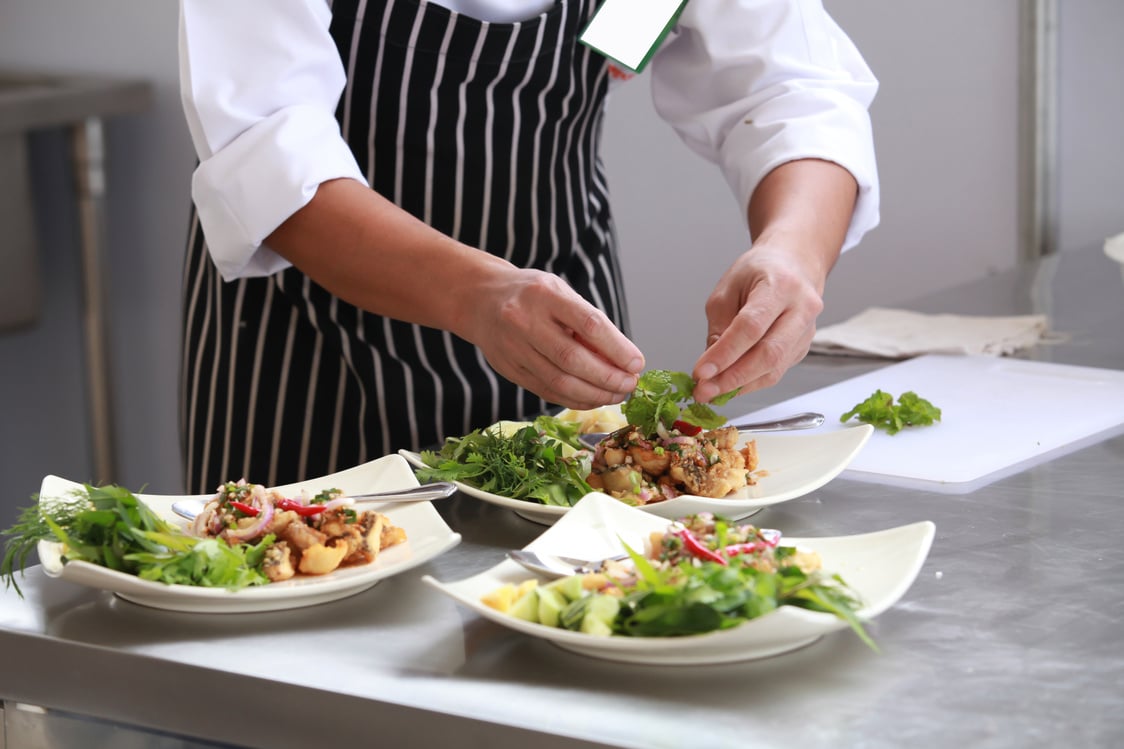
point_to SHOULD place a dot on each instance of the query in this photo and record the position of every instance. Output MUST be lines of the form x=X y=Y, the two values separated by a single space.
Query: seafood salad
x=641 y=469
x=312 y=537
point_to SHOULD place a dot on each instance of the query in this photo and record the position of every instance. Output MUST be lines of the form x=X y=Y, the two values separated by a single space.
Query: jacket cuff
x=266 y=174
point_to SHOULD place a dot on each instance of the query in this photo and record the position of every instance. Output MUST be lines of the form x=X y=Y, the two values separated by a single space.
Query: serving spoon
x=559 y=566
x=189 y=508
x=806 y=420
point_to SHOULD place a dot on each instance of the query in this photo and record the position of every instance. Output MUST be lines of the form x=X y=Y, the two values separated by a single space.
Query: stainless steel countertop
x=1011 y=636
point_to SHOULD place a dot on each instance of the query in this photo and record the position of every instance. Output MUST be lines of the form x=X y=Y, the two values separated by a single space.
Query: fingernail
x=707 y=371
x=636 y=365
x=703 y=393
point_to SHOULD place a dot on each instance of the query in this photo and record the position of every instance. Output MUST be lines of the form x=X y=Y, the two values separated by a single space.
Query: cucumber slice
x=551 y=604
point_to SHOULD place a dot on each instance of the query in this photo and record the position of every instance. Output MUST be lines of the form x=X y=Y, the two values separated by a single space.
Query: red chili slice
x=697 y=548
x=684 y=428
x=244 y=508
x=301 y=509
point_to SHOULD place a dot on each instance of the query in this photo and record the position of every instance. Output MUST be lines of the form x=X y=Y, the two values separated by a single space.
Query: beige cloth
x=1114 y=248
x=900 y=334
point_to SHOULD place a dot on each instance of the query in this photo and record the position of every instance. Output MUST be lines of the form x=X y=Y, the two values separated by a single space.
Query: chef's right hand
x=542 y=335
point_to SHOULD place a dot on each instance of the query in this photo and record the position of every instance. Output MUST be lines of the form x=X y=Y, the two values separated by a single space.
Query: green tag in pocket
x=630 y=31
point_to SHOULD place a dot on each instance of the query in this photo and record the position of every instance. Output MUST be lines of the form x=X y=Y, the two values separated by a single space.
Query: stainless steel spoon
x=189 y=508
x=558 y=566
x=799 y=421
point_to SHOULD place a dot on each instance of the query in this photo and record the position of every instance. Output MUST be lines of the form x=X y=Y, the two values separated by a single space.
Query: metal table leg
x=89 y=167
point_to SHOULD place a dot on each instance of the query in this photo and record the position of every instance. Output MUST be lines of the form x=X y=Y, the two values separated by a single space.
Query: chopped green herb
x=531 y=463
x=881 y=411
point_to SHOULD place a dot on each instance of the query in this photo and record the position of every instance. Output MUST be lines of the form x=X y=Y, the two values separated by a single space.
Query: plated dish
x=879 y=566
x=791 y=465
x=426 y=532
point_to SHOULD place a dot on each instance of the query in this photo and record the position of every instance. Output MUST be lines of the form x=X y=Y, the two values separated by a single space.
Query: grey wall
x=945 y=130
x=1091 y=126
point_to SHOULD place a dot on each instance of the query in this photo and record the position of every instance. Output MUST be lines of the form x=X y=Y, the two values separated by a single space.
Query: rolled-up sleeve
x=752 y=84
x=259 y=82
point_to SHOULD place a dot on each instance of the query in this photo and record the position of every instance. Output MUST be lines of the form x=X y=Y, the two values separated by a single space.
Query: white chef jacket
x=747 y=84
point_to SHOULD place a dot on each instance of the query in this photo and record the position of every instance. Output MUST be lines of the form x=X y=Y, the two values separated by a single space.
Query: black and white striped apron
x=487 y=132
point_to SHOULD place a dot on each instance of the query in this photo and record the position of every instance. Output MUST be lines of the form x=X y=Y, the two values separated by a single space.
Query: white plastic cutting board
x=999 y=416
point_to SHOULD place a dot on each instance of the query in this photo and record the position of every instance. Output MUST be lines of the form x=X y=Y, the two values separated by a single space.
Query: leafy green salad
x=110 y=527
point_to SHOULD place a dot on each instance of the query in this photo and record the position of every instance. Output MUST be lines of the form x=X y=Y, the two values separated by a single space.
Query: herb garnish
x=654 y=404
x=110 y=527
x=540 y=462
x=881 y=411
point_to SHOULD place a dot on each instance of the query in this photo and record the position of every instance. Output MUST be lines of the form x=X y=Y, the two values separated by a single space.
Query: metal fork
x=806 y=420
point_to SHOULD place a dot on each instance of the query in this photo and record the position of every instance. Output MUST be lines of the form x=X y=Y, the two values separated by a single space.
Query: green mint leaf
x=657 y=401
x=880 y=411
x=724 y=398
x=702 y=415
x=916 y=411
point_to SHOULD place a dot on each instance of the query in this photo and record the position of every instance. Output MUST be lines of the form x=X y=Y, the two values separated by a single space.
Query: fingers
x=539 y=374
x=586 y=345
x=575 y=370
x=593 y=330
x=751 y=354
x=550 y=340
x=760 y=367
x=731 y=359
x=556 y=386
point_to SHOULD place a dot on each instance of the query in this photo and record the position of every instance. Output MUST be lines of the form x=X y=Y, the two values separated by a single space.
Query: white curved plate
x=427 y=536
x=879 y=566
x=791 y=464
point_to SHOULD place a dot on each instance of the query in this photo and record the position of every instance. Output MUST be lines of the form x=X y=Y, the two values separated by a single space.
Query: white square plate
x=880 y=567
x=427 y=536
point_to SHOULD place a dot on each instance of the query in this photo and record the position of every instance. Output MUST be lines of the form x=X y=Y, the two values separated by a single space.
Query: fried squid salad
x=310 y=538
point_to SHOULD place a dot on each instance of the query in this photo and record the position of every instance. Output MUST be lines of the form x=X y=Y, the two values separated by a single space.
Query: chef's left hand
x=762 y=314
x=760 y=320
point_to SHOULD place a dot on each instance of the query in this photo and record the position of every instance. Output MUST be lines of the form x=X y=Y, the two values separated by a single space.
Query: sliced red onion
x=254 y=529
x=338 y=502
x=769 y=536
x=199 y=524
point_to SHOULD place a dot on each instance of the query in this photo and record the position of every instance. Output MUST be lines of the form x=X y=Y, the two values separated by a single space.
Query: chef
x=401 y=229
